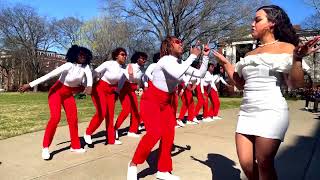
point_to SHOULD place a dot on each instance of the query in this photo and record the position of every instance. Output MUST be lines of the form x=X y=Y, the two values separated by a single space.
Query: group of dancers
x=263 y=117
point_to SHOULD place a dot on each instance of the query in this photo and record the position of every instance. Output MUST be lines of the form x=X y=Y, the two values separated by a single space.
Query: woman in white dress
x=263 y=118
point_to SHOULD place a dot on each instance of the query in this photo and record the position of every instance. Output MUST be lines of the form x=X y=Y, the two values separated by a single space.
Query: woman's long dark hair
x=283 y=29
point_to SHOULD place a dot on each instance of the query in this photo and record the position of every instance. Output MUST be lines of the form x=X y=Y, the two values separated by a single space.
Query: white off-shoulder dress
x=264 y=110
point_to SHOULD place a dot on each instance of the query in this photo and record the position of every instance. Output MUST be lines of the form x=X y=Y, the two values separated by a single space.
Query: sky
x=87 y=9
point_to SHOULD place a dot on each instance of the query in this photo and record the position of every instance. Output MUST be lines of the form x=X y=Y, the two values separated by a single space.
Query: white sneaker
x=87 y=138
x=191 y=122
x=80 y=150
x=196 y=120
x=207 y=119
x=117 y=142
x=306 y=108
x=166 y=176
x=132 y=173
x=45 y=153
x=117 y=135
x=180 y=123
x=177 y=126
x=216 y=117
x=141 y=127
x=130 y=134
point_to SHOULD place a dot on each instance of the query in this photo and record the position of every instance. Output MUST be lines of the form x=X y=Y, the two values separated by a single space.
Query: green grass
x=29 y=112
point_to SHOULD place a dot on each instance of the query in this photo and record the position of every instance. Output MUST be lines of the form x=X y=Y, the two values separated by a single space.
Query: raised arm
x=88 y=73
x=229 y=68
x=296 y=72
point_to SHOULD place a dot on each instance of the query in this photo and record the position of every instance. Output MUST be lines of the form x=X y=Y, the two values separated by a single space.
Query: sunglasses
x=123 y=54
x=177 y=41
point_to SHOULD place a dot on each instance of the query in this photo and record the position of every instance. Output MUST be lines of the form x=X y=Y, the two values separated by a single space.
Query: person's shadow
x=152 y=159
x=221 y=167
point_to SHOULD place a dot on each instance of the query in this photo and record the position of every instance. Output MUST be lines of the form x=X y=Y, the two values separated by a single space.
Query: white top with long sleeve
x=168 y=71
x=188 y=79
x=138 y=72
x=205 y=81
x=110 y=72
x=71 y=74
x=148 y=74
x=215 y=79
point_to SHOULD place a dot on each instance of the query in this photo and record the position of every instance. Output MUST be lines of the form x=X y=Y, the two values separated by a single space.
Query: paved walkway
x=202 y=152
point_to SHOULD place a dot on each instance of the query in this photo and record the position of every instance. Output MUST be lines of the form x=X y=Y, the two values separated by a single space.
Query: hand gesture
x=195 y=49
x=24 y=87
x=88 y=90
x=206 y=50
x=305 y=49
x=220 y=58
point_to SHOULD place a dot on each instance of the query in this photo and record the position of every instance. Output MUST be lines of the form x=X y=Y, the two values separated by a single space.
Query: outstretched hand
x=24 y=88
x=220 y=58
x=307 y=48
x=195 y=49
x=206 y=50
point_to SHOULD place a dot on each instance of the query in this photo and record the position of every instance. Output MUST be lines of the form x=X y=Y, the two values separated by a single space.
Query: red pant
x=61 y=94
x=158 y=116
x=206 y=103
x=187 y=105
x=200 y=100
x=129 y=103
x=103 y=97
x=215 y=103
x=175 y=102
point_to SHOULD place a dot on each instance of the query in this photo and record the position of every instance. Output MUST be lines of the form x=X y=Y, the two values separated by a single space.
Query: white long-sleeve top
x=168 y=71
x=71 y=75
x=110 y=72
x=205 y=81
x=138 y=72
x=211 y=80
x=215 y=79
x=148 y=74
x=188 y=79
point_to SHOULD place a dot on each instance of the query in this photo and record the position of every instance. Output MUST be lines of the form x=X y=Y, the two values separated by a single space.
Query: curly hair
x=117 y=51
x=74 y=51
x=283 y=29
x=137 y=55
x=166 y=46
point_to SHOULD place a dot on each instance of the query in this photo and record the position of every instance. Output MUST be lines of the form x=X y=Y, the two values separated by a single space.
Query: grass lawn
x=29 y=112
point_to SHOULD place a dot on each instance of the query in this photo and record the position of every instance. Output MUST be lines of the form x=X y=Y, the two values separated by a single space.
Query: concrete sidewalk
x=206 y=151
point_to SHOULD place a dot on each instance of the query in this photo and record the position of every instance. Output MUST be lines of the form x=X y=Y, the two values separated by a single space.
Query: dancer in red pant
x=128 y=96
x=213 y=92
x=188 y=85
x=104 y=95
x=70 y=82
x=204 y=86
x=156 y=106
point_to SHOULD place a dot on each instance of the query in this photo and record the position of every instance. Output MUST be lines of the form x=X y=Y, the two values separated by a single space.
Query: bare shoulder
x=286 y=47
x=253 y=52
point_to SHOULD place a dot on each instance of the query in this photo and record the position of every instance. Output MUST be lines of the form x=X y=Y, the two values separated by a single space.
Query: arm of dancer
x=230 y=69
x=296 y=71
x=89 y=80
x=55 y=72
